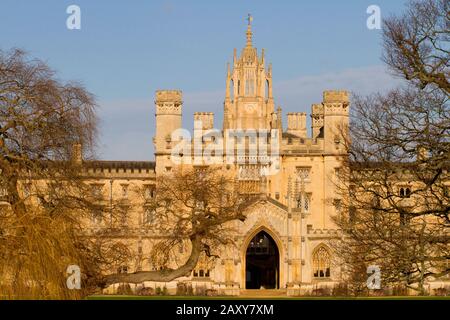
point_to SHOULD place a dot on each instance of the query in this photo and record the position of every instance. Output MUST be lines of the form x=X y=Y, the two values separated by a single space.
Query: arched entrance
x=262 y=263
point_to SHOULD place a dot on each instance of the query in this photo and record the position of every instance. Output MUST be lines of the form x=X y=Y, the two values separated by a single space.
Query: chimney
x=206 y=118
x=297 y=124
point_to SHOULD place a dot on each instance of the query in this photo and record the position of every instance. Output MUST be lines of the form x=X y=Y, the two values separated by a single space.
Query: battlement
x=334 y=103
x=295 y=145
x=120 y=169
x=336 y=96
x=297 y=114
x=169 y=102
x=207 y=119
x=174 y=96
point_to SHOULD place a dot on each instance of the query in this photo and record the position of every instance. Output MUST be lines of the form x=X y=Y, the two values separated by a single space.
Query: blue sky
x=126 y=50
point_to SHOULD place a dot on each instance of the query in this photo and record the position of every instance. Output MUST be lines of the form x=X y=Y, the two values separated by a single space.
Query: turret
x=336 y=106
x=168 y=115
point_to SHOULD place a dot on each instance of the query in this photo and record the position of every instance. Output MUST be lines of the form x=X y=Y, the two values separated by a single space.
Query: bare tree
x=195 y=209
x=394 y=186
x=44 y=198
x=416 y=43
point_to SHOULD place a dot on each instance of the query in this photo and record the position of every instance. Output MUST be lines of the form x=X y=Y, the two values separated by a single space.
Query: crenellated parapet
x=169 y=102
x=336 y=103
x=336 y=96
x=103 y=171
x=206 y=119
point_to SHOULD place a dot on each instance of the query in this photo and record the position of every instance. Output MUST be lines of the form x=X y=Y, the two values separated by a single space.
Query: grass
x=116 y=297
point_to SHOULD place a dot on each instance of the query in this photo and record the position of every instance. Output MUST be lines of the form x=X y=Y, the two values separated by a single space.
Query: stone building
x=282 y=244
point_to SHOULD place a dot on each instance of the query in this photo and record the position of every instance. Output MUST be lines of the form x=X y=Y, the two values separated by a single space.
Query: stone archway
x=279 y=246
x=262 y=263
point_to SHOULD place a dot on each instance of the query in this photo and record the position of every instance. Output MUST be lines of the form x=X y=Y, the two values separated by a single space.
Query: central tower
x=248 y=100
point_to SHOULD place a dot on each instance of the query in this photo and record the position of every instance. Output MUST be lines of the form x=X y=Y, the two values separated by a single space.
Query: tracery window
x=303 y=173
x=321 y=263
x=250 y=83
x=303 y=202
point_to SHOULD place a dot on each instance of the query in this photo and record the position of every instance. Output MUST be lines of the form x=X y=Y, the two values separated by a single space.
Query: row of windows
x=97 y=191
x=321 y=266
x=196 y=273
x=250 y=83
x=97 y=216
x=200 y=273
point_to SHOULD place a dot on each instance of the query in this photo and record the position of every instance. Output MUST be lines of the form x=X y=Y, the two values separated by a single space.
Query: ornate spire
x=249 y=30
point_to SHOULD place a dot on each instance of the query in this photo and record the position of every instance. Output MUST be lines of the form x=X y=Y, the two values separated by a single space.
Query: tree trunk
x=161 y=275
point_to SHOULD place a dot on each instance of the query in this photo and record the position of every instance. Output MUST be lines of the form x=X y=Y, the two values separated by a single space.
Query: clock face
x=250 y=107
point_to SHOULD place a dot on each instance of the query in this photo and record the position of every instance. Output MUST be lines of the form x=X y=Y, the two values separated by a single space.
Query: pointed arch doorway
x=262 y=263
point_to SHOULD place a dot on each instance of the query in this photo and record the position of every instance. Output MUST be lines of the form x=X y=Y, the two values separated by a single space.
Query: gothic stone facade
x=283 y=242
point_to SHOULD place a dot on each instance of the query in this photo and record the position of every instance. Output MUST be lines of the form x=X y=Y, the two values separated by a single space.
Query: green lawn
x=112 y=297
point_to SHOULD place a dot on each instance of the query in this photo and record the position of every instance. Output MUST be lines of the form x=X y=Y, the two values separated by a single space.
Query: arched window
x=321 y=263
x=250 y=83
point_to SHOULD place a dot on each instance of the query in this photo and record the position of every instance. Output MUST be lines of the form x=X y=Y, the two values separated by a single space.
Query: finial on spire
x=249 y=30
x=250 y=19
